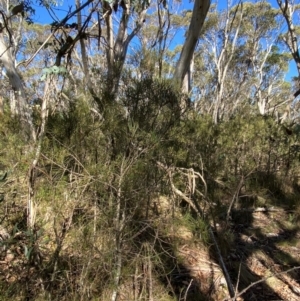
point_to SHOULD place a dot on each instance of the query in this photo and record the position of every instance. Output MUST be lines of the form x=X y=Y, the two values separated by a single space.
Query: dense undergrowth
x=116 y=195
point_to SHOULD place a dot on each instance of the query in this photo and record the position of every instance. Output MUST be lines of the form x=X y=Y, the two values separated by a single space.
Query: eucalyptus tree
x=217 y=48
x=199 y=13
x=154 y=39
x=115 y=24
x=13 y=15
x=155 y=53
x=111 y=25
x=263 y=59
x=290 y=39
x=238 y=60
x=101 y=28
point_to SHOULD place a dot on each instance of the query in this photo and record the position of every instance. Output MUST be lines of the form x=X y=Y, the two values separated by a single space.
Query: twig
x=26 y=63
x=62 y=22
x=223 y=266
x=198 y=210
x=259 y=281
x=186 y=292
x=238 y=281
x=261 y=209
x=234 y=198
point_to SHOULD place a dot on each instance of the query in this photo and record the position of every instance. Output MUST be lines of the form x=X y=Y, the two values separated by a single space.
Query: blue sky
x=42 y=16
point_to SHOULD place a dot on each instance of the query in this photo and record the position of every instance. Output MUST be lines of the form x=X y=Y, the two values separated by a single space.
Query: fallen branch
x=198 y=210
x=259 y=281
x=191 y=175
x=234 y=199
x=261 y=209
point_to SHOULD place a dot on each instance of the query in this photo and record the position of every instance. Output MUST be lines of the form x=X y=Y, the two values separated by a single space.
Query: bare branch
x=259 y=281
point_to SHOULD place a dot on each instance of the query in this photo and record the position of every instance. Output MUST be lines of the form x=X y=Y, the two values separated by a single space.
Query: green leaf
x=27 y=252
x=43 y=77
x=15 y=229
x=63 y=70
x=55 y=69
x=3 y=177
x=109 y=2
x=47 y=71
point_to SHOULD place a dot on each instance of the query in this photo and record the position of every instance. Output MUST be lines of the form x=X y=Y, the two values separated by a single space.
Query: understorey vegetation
x=126 y=176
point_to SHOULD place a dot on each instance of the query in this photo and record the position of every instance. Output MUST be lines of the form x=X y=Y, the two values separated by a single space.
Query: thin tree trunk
x=223 y=62
x=83 y=49
x=119 y=226
x=110 y=49
x=85 y=61
x=187 y=81
x=117 y=48
x=18 y=104
x=198 y=17
x=32 y=171
x=291 y=38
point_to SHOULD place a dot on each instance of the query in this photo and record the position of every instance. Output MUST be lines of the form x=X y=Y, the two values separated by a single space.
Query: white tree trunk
x=198 y=16
x=223 y=62
x=18 y=104
x=13 y=76
x=187 y=80
x=118 y=46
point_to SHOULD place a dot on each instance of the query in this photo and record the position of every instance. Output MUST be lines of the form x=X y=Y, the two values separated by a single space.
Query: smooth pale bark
x=198 y=17
x=13 y=76
x=110 y=47
x=187 y=80
x=82 y=48
x=18 y=103
x=223 y=62
x=118 y=47
x=263 y=99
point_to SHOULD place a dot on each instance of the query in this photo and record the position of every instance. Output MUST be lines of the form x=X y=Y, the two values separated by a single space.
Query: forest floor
x=266 y=244
x=258 y=247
